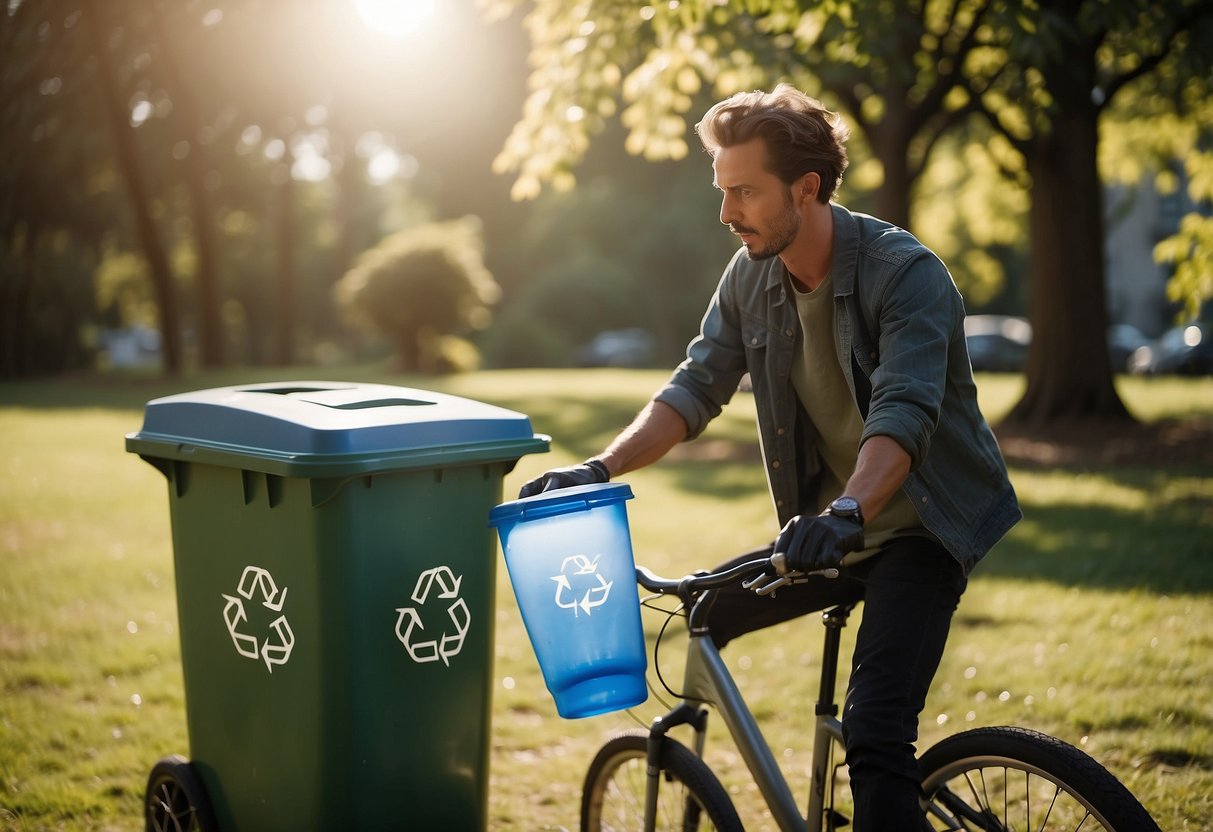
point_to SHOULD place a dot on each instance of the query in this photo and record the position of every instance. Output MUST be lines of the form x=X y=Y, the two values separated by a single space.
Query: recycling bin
x=335 y=582
x=587 y=636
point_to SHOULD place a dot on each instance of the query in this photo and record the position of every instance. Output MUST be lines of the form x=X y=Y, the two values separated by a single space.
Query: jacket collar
x=846 y=251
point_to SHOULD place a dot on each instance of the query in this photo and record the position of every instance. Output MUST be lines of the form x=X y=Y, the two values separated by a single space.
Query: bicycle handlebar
x=750 y=574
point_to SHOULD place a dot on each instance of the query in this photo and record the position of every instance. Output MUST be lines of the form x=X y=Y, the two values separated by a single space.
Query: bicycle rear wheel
x=1000 y=779
x=689 y=797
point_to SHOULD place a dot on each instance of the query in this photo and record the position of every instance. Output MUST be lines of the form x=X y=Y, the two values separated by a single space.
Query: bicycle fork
x=683 y=714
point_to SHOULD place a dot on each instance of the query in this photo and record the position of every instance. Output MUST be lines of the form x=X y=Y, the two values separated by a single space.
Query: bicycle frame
x=1041 y=770
x=708 y=680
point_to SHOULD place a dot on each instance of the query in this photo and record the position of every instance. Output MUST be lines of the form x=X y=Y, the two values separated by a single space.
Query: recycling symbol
x=276 y=647
x=444 y=586
x=581 y=570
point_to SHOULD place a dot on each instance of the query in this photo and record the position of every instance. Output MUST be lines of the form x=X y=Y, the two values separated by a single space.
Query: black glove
x=810 y=543
x=587 y=473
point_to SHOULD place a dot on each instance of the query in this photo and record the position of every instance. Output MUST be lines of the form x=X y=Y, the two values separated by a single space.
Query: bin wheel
x=176 y=800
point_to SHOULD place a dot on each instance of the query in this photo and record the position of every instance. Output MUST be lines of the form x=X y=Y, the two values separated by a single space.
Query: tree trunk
x=16 y=307
x=408 y=351
x=210 y=322
x=284 y=195
x=348 y=179
x=890 y=140
x=128 y=163
x=893 y=195
x=1069 y=373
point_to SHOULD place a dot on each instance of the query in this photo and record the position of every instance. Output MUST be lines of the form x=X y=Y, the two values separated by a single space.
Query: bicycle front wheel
x=689 y=797
x=1001 y=779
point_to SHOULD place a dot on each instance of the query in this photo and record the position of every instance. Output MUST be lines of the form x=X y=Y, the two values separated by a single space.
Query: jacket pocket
x=755 y=336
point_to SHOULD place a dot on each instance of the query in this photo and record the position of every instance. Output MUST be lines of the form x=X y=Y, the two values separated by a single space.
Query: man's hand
x=818 y=542
x=587 y=473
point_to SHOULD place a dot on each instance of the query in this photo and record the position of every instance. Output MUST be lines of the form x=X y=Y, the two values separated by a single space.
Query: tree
x=1041 y=74
x=50 y=236
x=128 y=154
x=1162 y=127
x=173 y=33
x=421 y=286
x=1048 y=74
x=897 y=75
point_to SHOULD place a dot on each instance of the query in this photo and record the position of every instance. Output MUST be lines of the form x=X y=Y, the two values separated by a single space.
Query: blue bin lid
x=311 y=427
x=560 y=501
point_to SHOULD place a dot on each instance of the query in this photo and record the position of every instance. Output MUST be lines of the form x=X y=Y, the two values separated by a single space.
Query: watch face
x=845 y=505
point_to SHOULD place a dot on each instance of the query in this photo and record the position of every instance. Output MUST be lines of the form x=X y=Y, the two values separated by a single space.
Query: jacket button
x=775 y=463
x=789 y=332
x=754 y=342
x=924 y=500
x=779 y=431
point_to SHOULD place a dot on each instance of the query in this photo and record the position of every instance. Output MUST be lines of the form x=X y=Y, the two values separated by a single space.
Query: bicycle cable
x=648 y=602
x=679 y=612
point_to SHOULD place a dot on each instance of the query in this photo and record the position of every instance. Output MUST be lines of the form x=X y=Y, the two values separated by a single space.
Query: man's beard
x=781 y=235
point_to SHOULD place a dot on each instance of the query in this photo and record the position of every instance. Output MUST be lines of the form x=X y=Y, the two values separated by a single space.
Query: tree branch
x=932 y=102
x=1022 y=145
x=1182 y=23
x=943 y=122
x=852 y=102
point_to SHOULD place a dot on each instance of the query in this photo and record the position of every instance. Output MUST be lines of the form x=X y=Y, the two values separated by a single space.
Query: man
x=877 y=456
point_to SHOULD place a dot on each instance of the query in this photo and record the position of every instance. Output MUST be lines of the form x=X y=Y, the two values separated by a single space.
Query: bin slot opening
x=373 y=403
x=289 y=391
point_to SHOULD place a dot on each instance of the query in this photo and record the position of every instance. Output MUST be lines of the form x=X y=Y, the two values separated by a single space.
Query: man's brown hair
x=801 y=135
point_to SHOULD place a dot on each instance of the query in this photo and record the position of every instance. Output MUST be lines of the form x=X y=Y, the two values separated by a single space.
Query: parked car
x=1183 y=350
x=1123 y=341
x=997 y=343
x=633 y=347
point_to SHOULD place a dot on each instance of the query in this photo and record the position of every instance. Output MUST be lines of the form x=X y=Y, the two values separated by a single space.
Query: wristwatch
x=847 y=507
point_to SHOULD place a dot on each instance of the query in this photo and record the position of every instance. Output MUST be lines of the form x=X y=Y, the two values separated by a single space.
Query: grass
x=1092 y=621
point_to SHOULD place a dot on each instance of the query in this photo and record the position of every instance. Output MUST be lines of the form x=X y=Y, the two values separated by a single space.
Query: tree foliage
x=1044 y=79
x=189 y=132
x=420 y=286
x=1041 y=74
x=1162 y=132
x=898 y=76
x=632 y=246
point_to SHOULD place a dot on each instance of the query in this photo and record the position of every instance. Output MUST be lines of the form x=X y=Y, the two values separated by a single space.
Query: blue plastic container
x=569 y=556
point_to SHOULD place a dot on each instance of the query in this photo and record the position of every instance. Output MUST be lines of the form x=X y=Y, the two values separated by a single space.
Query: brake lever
x=765 y=584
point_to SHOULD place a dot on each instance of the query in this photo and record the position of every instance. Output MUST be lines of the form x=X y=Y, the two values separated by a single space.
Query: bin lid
x=560 y=501
x=313 y=428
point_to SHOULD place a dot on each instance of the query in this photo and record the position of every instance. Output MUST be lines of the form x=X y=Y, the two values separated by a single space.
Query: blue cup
x=569 y=557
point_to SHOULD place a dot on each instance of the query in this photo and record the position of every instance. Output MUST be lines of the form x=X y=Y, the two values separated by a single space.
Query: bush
x=421 y=288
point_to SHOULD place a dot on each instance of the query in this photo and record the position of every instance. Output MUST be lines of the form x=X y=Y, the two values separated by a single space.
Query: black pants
x=910 y=591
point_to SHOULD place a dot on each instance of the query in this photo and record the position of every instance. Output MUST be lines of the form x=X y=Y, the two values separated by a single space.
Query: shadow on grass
x=1167 y=551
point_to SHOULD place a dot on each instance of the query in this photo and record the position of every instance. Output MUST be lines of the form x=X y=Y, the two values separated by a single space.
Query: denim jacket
x=899 y=335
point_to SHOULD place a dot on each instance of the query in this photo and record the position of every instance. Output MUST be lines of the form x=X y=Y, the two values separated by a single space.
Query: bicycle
x=981 y=780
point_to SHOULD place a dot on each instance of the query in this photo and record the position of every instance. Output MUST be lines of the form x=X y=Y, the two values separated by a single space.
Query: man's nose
x=727 y=212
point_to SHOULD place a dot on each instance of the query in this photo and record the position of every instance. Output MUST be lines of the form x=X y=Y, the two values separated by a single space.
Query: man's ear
x=810 y=184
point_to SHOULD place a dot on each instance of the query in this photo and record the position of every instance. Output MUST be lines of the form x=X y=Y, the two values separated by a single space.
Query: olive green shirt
x=822 y=389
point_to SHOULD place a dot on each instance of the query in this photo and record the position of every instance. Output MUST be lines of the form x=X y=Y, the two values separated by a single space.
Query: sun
x=395 y=18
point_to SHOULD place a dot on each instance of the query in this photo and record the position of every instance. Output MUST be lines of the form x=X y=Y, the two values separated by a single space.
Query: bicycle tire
x=997 y=779
x=690 y=797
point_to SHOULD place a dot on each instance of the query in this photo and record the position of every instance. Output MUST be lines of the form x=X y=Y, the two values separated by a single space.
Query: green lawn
x=1092 y=621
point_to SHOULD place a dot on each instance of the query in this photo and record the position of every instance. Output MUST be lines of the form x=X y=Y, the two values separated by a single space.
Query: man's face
x=757 y=205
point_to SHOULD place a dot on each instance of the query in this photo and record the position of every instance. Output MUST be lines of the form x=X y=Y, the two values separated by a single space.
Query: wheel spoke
x=1004 y=798
x=689 y=797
